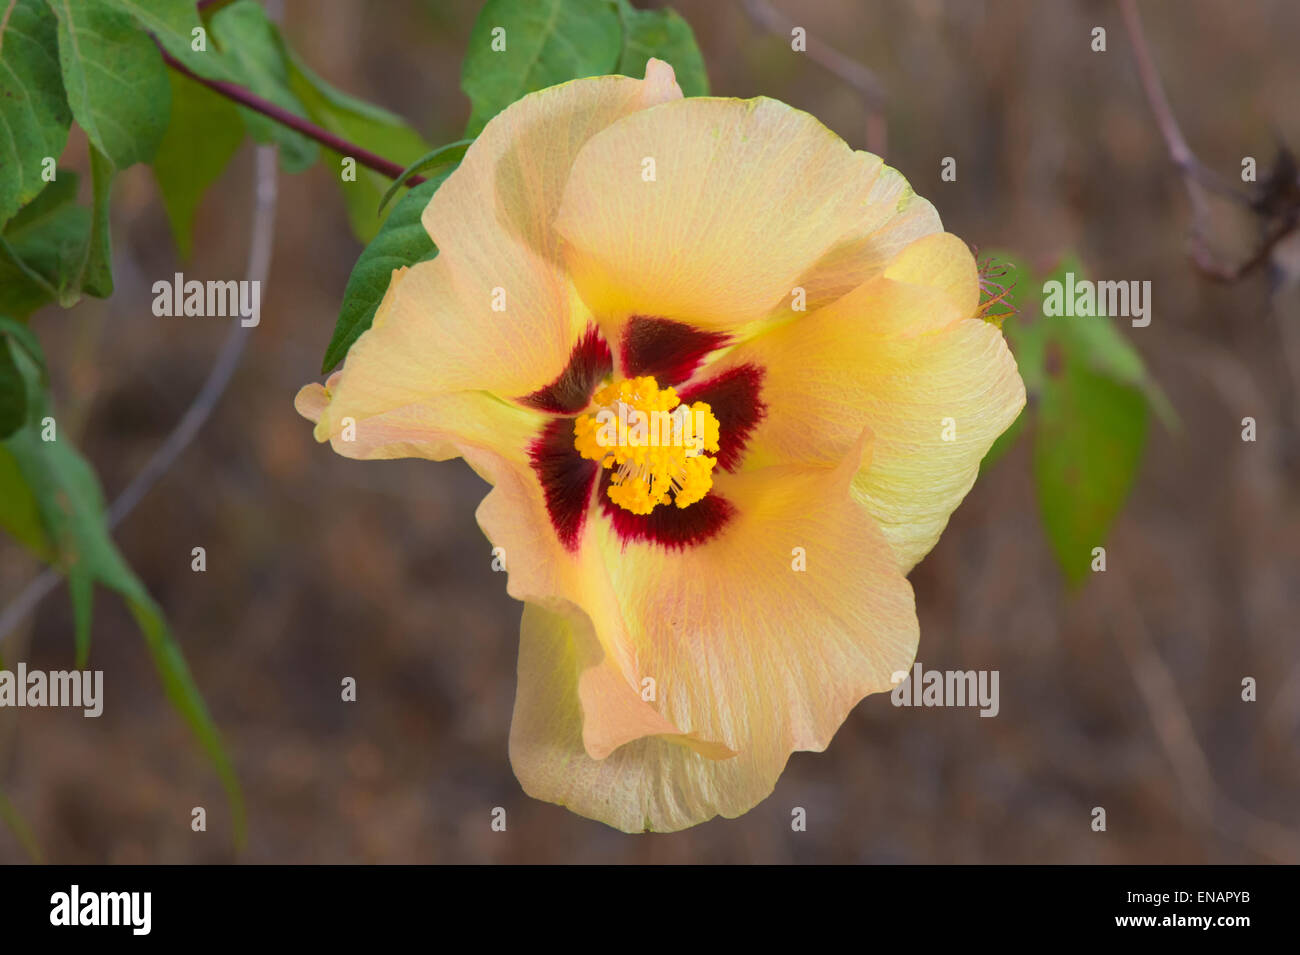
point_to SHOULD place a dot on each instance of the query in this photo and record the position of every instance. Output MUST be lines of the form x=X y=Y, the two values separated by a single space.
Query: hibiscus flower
x=692 y=614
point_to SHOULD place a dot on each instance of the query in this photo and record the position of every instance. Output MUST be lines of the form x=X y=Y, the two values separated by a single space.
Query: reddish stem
x=282 y=116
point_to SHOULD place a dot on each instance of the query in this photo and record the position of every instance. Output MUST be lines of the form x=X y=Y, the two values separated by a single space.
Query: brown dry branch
x=223 y=369
x=847 y=69
x=1275 y=201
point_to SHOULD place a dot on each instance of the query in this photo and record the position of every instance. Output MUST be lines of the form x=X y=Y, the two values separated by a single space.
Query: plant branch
x=200 y=409
x=849 y=70
x=279 y=114
x=1198 y=179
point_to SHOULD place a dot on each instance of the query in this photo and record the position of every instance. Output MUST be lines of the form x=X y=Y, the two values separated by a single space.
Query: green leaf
x=34 y=115
x=19 y=515
x=186 y=698
x=16 y=824
x=21 y=336
x=1004 y=442
x=1098 y=340
x=401 y=241
x=546 y=42
x=664 y=35
x=115 y=80
x=54 y=249
x=13 y=392
x=1108 y=351
x=1087 y=449
x=173 y=23
x=71 y=508
x=96 y=273
x=1088 y=415
x=358 y=122
x=43 y=248
x=449 y=155
x=251 y=40
x=204 y=134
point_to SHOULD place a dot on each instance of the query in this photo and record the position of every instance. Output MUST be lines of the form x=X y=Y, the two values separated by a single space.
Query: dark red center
x=671 y=352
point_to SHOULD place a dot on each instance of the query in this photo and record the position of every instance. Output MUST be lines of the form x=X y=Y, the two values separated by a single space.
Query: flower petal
x=745 y=650
x=558 y=572
x=433 y=427
x=667 y=351
x=492 y=221
x=898 y=355
x=494 y=313
x=747 y=196
x=964 y=378
x=895 y=218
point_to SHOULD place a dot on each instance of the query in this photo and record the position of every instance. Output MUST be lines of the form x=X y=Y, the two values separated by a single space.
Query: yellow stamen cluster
x=657 y=444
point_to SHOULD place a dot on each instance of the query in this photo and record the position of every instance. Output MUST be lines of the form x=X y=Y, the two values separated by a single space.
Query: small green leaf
x=401 y=241
x=1087 y=448
x=185 y=697
x=21 y=337
x=1089 y=396
x=19 y=515
x=54 y=249
x=173 y=23
x=43 y=248
x=71 y=508
x=378 y=130
x=13 y=387
x=96 y=274
x=34 y=115
x=546 y=42
x=664 y=35
x=448 y=155
x=115 y=80
x=1108 y=351
x=204 y=134
x=13 y=392
x=16 y=824
x=251 y=40
x=1004 y=442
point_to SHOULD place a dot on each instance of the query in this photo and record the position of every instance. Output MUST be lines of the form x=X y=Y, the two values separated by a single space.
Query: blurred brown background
x=1126 y=696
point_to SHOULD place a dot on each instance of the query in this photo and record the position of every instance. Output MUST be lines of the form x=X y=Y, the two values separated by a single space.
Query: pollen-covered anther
x=660 y=450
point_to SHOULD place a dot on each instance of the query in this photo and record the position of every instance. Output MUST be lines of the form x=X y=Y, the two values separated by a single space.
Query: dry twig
x=855 y=74
x=1276 y=202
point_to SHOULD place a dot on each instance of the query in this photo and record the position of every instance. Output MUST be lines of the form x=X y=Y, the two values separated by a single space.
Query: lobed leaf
x=34 y=115
x=43 y=247
x=173 y=22
x=546 y=42
x=115 y=81
x=664 y=35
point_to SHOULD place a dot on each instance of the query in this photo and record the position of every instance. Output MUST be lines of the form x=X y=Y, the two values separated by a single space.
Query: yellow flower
x=694 y=612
